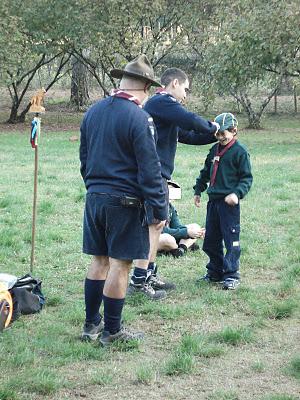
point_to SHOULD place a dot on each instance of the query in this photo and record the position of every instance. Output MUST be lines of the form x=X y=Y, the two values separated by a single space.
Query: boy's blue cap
x=226 y=121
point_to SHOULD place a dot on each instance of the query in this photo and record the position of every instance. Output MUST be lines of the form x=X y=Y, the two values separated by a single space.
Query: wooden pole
x=37 y=108
x=35 y=184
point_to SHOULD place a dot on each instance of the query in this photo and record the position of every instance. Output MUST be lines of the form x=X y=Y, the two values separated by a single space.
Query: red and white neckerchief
x=125 y=95
x=161 y=90
x=216 y=159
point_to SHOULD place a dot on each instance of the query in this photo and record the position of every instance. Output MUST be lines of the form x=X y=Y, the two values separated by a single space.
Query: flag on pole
x=34 y=133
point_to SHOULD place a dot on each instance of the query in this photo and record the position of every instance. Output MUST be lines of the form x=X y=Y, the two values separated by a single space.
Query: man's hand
x=197 y=201
x=217 y=126
x=232 y=199
x=194 y=231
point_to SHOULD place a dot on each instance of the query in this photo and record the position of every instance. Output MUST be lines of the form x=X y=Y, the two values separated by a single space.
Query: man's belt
x=128 y=201
x=125 y=201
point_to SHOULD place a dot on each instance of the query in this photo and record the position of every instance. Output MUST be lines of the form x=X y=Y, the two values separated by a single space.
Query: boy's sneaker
x=123 y=335
x=92 y=331
x=146 y=289
x=176 y=253
x=158 y=284
x=209 y=279
x=231 y=283
x=194 y=247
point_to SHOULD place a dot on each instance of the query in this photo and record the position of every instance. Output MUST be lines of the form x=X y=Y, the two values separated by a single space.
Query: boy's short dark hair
x=173 y=73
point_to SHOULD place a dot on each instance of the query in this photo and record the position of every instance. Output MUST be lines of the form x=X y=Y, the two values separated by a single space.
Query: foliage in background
x=252 y=43
x=228 y=47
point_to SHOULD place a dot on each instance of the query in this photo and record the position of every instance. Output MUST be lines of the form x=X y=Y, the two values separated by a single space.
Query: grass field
x=202 y=342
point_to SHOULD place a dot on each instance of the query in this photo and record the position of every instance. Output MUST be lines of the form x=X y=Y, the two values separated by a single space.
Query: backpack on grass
x=27 y=296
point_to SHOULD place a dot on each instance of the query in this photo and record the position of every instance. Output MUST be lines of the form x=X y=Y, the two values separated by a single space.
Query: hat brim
x=226 y=128
x=118 y=74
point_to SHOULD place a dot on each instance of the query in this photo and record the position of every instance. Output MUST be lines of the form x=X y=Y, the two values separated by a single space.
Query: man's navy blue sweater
x=174 y=123
x=118 y=153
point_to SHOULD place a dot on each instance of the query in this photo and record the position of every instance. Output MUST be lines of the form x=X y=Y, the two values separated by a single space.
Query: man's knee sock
x=93 y=292
x=139 y=276
x=112 y=314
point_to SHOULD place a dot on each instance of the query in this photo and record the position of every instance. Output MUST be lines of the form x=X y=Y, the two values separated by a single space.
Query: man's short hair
x=173 y=73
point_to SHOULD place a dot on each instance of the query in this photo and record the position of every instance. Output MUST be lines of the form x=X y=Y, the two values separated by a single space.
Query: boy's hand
x=194 y=231
x=232 y=199
x=197 y=201
x=202 y=236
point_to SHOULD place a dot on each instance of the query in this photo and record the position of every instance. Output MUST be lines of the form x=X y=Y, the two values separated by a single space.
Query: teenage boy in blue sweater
x=174 y=123
x=121 y=169
x=227 y=169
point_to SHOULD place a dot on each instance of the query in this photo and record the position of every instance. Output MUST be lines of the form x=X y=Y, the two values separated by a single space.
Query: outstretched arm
x=196 y=138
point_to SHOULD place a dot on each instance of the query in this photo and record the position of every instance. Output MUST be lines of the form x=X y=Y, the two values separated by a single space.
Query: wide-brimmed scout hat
x=226 y=121
x=140 y=67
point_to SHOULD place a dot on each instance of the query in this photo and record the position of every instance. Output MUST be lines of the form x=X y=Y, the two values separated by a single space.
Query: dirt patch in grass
x=250 y=371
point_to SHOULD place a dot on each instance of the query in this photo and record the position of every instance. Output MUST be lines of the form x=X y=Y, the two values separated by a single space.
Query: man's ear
x=175 y=83
x=234 y=130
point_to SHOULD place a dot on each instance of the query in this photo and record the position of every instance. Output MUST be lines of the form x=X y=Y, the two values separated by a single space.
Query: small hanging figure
x=36 y=102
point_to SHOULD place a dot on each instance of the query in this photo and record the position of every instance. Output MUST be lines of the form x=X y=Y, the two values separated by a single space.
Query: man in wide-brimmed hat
x=121 y=170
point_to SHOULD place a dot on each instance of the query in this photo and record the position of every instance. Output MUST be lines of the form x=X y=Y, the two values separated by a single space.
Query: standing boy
x=227 y=169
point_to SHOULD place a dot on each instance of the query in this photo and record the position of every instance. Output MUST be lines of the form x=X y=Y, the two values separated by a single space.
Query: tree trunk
x=19 y=87
x=253 y=117
x=14 y=118
x=254 y=120
x=275 y=103
x=79 y=85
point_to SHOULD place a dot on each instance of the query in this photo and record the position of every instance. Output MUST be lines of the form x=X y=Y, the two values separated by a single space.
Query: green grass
x=198 y=326
x=201 y=346
x=179 y=363
x=145 y=374
x=224 y=395
x=258 y=366
x=8 y=394
x=280 y=397
x=234 y=336
x=293 y=368
x=282 y=309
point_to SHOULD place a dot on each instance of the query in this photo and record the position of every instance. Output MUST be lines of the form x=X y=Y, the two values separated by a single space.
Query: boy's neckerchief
x=217 y=157
x=125 y=95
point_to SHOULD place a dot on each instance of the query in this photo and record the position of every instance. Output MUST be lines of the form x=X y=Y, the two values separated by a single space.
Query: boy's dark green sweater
x=175 y=227
x=233 y=175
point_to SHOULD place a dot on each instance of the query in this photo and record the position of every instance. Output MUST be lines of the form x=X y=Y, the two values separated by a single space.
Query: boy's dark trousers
x=222 y=224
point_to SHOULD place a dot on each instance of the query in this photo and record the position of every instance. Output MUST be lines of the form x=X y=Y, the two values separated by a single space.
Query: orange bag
x=6 y=306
